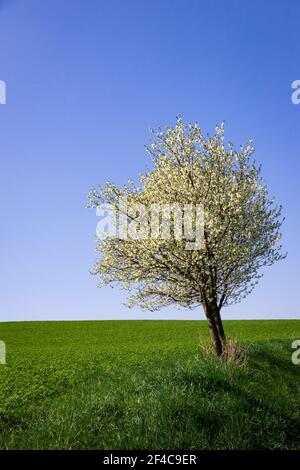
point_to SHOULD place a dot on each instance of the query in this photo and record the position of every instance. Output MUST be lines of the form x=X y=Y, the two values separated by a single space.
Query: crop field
x=147 y=385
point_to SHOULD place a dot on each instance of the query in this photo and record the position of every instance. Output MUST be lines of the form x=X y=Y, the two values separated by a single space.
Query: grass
x=147 y=385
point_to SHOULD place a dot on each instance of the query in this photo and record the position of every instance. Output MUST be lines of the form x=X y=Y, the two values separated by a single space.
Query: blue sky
x=85 y=80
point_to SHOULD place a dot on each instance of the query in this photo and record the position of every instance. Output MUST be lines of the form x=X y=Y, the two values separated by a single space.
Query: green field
x=147 y=385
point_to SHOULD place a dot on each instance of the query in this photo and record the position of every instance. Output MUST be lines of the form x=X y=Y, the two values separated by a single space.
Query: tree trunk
x=220 y=326
x=214 y=333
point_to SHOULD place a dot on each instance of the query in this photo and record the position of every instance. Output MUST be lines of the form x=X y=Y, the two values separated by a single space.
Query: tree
x=241 y=227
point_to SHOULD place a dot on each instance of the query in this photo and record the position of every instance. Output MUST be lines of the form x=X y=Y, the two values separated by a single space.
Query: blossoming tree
x=241 y=227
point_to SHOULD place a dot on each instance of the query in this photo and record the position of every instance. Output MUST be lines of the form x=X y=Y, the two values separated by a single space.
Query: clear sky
x=85 y=80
